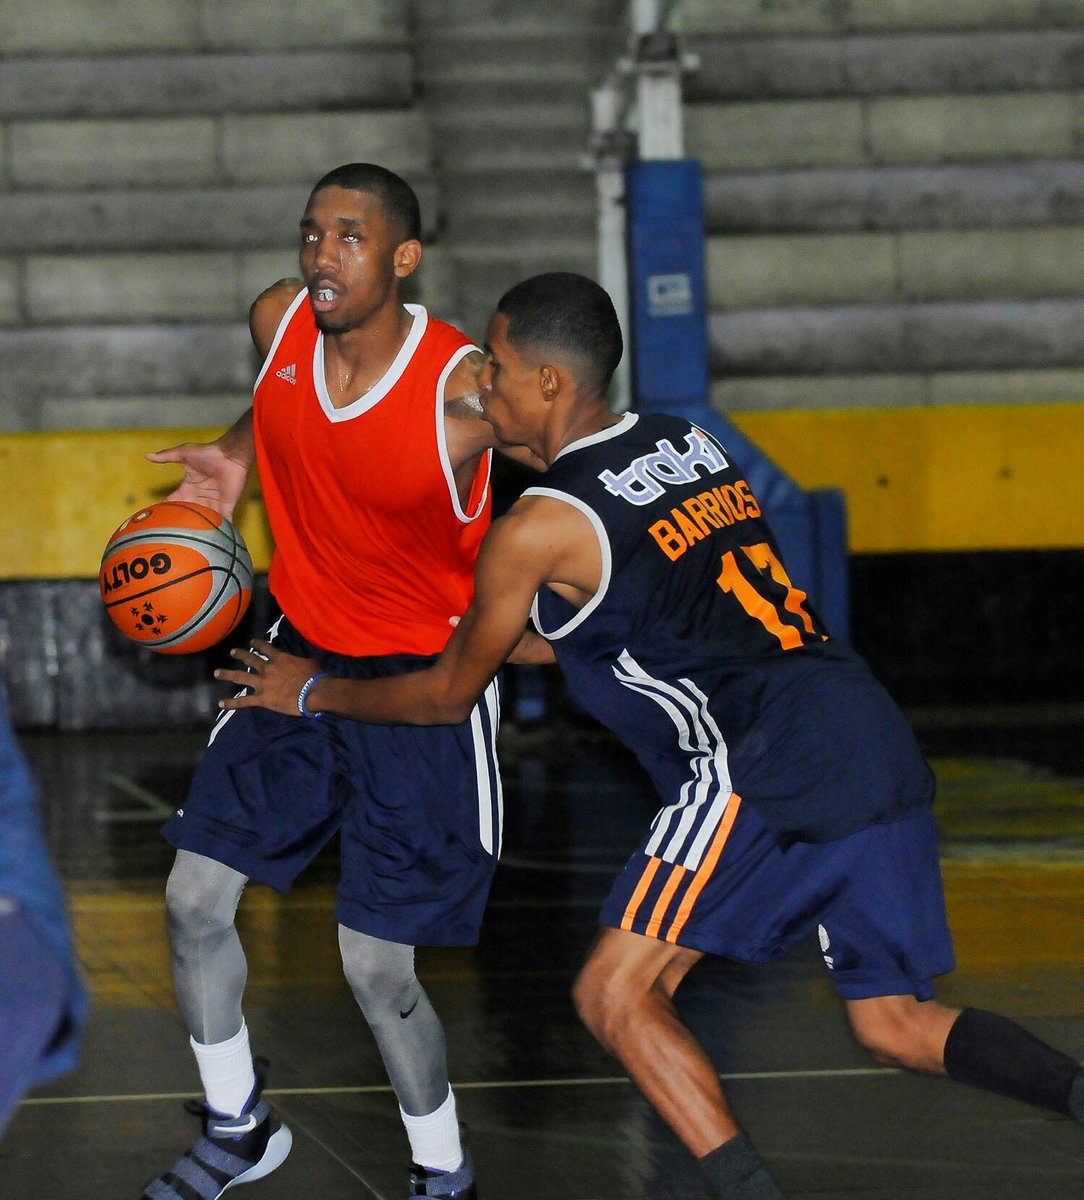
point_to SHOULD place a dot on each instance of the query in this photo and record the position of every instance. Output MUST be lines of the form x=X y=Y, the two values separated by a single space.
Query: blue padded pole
x=667 y=283
x=671 y=372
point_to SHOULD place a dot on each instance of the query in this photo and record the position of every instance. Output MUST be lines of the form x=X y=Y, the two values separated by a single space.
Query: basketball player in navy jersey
x=795 y=800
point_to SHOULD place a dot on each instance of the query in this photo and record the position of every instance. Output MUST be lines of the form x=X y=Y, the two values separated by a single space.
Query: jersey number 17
x=732 y=581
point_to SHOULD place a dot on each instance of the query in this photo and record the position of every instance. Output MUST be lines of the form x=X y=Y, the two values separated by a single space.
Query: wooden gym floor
x=549 y=1116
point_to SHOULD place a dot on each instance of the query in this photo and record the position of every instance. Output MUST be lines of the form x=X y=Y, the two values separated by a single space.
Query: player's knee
x=603 y=1006
x=200 y=903
x=583 y=999
x=593 y=1010
x=375 y=990
x=381 y=974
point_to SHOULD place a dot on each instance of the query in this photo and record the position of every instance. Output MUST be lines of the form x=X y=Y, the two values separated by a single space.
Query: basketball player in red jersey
x=374 y=461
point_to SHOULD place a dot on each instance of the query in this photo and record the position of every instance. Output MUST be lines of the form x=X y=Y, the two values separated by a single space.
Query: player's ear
x=549 y=380
x=408 y=255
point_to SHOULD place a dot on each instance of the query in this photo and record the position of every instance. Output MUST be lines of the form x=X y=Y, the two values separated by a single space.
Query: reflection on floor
x=549 y=1116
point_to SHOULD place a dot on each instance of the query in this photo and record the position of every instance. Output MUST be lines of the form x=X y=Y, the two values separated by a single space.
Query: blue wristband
x=306 y=687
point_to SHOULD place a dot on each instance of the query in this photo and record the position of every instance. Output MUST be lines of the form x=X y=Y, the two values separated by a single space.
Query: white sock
x=226 y=1071
x=434 y=1138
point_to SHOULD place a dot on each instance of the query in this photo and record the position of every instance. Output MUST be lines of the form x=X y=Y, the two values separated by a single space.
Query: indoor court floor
x=549 y=1116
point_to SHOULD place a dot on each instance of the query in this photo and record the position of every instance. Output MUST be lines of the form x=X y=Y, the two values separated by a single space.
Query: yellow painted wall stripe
x=1004 y=477
x=65 y=493
x=948 y=478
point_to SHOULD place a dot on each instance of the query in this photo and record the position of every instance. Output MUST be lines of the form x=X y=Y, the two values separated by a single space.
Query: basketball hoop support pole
x=652 y=262
x=643 y=90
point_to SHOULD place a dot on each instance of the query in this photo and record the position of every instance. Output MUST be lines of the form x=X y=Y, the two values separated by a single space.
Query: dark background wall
x=992 y=627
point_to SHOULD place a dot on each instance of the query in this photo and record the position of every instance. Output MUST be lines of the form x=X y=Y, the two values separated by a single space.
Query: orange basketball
x=176 y=577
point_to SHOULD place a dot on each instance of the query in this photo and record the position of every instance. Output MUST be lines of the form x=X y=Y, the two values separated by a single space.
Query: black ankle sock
x=994 y=1053
x=736 y=1172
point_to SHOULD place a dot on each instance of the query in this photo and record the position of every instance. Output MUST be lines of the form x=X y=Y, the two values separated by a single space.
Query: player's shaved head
x=395 y=194
x=570 y=315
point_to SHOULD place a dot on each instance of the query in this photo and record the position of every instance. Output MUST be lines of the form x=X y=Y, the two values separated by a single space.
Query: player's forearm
x=413 y=699
x=238 y=443
x=297 y=687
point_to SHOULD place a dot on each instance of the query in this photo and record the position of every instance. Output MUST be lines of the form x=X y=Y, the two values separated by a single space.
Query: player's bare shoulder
x=538 y=516
x=268 y=309
x=557 y=538
x=467 y=433
x=462 y=395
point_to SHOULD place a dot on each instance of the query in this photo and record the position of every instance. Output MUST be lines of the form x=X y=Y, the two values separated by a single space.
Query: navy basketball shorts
x=874 y=899
x=419 y=809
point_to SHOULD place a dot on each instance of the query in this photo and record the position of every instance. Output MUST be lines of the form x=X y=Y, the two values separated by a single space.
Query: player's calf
x=902 y=1031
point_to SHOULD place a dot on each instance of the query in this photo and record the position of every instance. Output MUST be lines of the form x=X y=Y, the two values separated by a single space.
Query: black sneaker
x=448 y=1185
x=231 y=1150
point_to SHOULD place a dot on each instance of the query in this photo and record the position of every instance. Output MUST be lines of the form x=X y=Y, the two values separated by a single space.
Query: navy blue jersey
x=705 y=658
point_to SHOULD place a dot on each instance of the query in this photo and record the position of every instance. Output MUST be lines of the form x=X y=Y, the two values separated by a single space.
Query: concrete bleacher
x=505 y=85
x=155 y=161
x=155 y=158
x=894 y=188
x=895 y=200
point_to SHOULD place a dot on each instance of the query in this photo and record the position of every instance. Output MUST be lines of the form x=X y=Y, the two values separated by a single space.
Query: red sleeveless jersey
x=373 y=550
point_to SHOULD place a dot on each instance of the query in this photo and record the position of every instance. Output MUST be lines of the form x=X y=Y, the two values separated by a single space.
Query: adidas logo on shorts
x=288 y=373
x=826 y=943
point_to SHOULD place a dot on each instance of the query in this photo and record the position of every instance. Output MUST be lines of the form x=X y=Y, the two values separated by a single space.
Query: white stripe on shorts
x=226 y=713
x=682 y=831
x=490 y=791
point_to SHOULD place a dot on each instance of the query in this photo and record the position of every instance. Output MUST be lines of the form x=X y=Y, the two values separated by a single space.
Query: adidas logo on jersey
x=288 y=373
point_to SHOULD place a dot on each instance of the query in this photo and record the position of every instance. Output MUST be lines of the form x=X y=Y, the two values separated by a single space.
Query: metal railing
x=635 y=114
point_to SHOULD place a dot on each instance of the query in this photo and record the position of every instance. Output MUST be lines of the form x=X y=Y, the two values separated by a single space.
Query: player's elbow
x=446 y=709
x=444 y=715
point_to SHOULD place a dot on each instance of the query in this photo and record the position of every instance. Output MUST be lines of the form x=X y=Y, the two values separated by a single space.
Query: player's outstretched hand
x=211 y=476
x=273 y=678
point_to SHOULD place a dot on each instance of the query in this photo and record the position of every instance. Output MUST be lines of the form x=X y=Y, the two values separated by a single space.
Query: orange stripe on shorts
x=704 y=871
x=663 y=903
x=641 y=891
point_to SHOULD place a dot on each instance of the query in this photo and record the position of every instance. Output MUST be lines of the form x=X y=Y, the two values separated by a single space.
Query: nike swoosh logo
x=233 y=1130
x=406 y=1014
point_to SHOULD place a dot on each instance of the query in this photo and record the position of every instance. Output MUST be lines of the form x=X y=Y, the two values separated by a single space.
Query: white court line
x=477 y=1086
x=152 y=807
x=332 y=1154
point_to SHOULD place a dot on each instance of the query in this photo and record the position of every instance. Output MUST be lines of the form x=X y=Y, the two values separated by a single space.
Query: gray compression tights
x=209 y=968
x=407 y=1029
x=210 y=972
